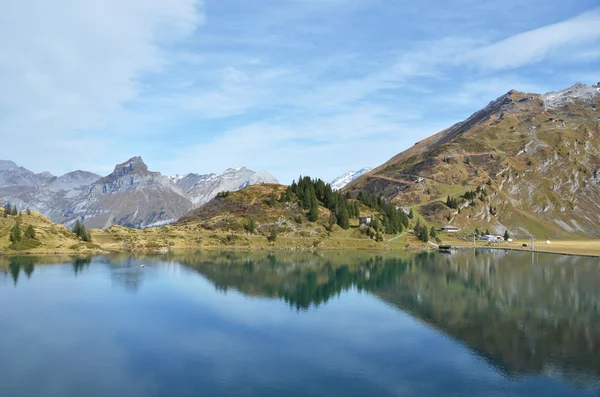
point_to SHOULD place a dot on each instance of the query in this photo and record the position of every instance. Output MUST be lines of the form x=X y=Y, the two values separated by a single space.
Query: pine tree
x=313 y=213
x=16 y=234
x=411 y=214
x=506 y=235
x=417 y=227
x=77 y=228
x=343 y=218
x=331 y=221
x=356 y=209
x=7 y=210
x=29 y=232
x=433 y=232
x=250 y=226
x=28 y=212
x=423 y=233
x=15 y=211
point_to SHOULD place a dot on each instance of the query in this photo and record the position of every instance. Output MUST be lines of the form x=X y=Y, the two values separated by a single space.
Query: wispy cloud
x=538 y=44
x=295 y=86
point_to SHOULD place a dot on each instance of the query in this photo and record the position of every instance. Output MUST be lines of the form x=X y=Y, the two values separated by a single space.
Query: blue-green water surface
x=282 y=324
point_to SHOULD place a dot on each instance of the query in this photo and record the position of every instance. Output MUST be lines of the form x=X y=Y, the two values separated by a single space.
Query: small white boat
x=142 y=266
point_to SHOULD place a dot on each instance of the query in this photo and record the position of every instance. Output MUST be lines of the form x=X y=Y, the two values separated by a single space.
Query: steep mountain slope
x=131 y=195
x=526 y=162
x=341 y=181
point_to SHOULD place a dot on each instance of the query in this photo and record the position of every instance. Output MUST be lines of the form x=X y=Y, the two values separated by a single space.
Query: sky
x=294 y=87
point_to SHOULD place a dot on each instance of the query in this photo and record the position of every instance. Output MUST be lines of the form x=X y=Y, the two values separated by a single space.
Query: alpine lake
x=469 y=323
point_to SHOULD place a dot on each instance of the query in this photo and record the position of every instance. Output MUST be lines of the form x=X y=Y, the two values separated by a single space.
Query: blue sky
x=315 y=87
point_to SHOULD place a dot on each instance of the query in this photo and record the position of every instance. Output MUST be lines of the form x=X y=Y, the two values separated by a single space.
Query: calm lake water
x=333 y=324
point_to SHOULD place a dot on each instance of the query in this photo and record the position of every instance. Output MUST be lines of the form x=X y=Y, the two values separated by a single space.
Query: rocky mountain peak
x=7 y=165
x=578 y=91
x=134 y=165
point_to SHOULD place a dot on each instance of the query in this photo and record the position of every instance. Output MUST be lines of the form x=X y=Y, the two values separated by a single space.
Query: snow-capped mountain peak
x=176 y=177
x=341 y=181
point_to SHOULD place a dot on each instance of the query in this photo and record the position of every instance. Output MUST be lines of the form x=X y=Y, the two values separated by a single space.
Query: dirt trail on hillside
x=404 y=181
x=470 y=154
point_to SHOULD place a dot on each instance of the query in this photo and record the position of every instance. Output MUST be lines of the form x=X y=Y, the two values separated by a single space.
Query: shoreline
x=536 y=251
x=412 y=249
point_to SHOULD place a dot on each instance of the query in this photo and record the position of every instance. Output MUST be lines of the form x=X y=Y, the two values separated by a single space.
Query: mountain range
x=130 y=196
x=527 y=163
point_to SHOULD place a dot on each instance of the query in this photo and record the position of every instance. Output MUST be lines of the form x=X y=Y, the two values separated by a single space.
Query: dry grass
x=52 y=238
x=568 y=247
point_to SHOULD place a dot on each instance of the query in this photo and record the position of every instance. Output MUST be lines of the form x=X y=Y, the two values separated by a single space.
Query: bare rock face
x=577 y=93
x=528 y=163
x=131 y=195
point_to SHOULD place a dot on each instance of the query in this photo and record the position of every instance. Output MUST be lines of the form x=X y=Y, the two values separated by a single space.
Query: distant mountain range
x=528 y=163
x=131 y=195
x=341 y=181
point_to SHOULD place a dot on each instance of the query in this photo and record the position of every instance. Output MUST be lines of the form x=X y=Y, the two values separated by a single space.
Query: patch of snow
x=160 y=223
x=341 y=181
x=579 y=91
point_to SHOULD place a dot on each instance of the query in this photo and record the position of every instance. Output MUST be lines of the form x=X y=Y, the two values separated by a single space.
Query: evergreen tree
x=487 y=232
x=331 y=221
x=433 y=232
x=7 y=209
x=28 y=212
x=16 y=235
x=15 y=211
x=423 y=233
x=356 y=209
x=29 y=232
x=313 y=213
x=343 y=218
x=506 y=235
x=250 y=226
x=77 y=229
x=272 y=237
x=375 y=224
x=411 y=214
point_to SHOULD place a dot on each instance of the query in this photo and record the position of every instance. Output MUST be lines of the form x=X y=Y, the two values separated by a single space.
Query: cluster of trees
x=393 y=220
x=80 y=232
x=17 y=234
x=424 y=233
x=10 y=210
x=481 y=232
x=311 y=192
x=452 y=202
x=250 y=226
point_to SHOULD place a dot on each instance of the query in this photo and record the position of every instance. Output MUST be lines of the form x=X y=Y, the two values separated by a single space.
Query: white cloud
x=536 y=45
x=68 y=65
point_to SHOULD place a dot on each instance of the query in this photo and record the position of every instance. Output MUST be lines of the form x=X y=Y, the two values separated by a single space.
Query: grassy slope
x=51 y=238
x=220 y=224
x=537 y=191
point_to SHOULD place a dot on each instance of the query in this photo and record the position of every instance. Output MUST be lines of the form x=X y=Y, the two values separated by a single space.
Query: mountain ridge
x=131 y=195
x=536 y=157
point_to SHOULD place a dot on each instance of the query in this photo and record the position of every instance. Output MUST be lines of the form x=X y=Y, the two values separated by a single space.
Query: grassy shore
x=566 y=247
